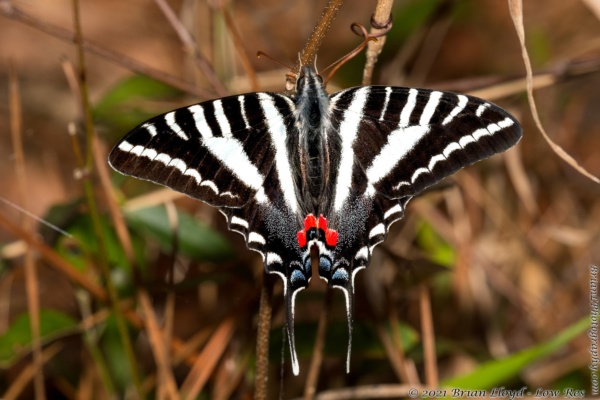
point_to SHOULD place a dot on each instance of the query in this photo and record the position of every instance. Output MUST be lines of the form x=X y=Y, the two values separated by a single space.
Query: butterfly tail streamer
x=348 y=288
x=290 y=299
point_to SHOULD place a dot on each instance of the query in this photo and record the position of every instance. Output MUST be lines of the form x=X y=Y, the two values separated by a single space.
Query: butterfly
x=331 y=171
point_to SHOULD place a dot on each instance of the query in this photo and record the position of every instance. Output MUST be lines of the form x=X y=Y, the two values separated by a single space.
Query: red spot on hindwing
x=310 y=221
x=302 y=238
x=322 y=223
x=331 y=237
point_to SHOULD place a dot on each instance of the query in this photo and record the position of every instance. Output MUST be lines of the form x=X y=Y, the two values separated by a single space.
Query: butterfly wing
x=395 y=142
x=231 y=153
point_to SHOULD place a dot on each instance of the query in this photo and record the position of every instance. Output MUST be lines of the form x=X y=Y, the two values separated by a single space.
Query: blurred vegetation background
x=501 y=252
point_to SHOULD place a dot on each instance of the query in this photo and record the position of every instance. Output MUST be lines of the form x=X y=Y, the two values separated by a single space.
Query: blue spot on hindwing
x=340 y=274
x=324 y=264
x=307 y=264
x=297 y=275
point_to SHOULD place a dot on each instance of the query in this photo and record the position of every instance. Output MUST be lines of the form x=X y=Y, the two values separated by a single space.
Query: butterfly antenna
x=346 y=58
x=261 y=53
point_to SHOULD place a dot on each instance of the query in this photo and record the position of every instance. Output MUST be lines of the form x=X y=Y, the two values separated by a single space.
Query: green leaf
x=195 y=239
x=496 y=372
x=121 y=108
x=116 y=360
x=438 y=250
x=87 y=246
x=17 y=339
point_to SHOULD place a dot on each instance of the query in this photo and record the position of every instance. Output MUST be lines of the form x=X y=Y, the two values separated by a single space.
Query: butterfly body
x=315 y=170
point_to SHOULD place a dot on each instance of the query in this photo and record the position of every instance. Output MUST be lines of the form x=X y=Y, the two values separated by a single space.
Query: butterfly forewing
x=216 y=151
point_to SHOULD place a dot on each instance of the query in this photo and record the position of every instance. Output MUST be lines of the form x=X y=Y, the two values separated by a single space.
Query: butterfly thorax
x=312 y=103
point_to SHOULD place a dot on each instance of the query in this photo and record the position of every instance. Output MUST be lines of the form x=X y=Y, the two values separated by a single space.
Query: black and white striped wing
x=395 y=142
x=231 y=153
x=408 y=139
x=218 y=151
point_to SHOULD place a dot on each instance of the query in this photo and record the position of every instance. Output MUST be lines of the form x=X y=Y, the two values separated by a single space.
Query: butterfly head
x=308 y=80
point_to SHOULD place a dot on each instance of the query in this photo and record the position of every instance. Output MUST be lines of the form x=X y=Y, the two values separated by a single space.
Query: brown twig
x=265 y=312
x=516 y=12
x=382 y=16
x=307 y=56
x=31 y=280
x=430 y=359
x=8 y=10
x=192 y=48
x=315 y=364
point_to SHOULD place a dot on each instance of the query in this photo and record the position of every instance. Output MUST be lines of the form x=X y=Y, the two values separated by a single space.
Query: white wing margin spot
x=211 y=185
x=238 y=221
x=125 y=146
x=256 y=238
x=194 y=174
x=379 y=229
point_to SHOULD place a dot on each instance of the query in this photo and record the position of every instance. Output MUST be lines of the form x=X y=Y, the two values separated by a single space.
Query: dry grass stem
x=392 y=354
x=516 y=171
x=382 y=15
x=428 y=336
x=113 y=207
x=31 y=280
x=207 y=360
x=405 y=374
x=93 y=210
x=8 y=10
x=239 y=46
x=152 y=199
x=430 y=48
x=225 y=391
x=516 y=12
x=159 y=348
x=594 y=6
x=190 y=44
x=317 y=358
x=516 y=86
x=23 y=379
x=56 y=261
x=187 y=351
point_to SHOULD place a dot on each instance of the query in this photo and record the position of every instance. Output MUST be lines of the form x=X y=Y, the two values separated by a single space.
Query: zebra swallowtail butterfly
x=313 y=169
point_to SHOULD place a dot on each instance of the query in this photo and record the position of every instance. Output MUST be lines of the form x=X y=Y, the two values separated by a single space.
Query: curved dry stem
x=516 y=12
